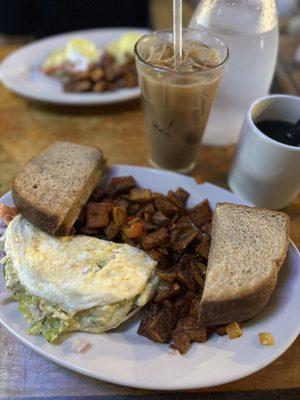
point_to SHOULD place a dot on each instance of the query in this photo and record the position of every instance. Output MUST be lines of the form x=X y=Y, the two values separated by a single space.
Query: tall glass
x=177 y=100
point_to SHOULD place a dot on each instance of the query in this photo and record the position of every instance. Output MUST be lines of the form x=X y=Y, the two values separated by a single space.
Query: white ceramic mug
x=265 y=172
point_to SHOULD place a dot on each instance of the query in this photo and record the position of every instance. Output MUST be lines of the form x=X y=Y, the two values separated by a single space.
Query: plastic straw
x=177 y=30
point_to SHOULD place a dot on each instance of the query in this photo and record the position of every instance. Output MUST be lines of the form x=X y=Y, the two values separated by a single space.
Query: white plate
x=125 y=358
x=20 y=71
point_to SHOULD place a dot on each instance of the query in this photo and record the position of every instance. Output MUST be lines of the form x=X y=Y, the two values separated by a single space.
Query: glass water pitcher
x=250 y=30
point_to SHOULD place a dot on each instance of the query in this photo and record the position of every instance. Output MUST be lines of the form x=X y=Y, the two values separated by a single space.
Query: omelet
x=74 y=283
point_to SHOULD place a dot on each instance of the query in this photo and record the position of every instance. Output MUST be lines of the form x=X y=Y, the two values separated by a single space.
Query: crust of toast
x=38 y=217
x=52 y=223
x=55 y=223
x=214 y=313
x=224 y=312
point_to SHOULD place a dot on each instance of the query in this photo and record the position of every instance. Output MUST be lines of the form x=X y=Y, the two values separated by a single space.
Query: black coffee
x=282 y=131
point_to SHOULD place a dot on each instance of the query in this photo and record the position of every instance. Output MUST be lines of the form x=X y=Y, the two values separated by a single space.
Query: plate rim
x=121 y=381
x=133 y=93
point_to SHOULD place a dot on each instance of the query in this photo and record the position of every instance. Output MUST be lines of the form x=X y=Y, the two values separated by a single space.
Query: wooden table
x=25 y=129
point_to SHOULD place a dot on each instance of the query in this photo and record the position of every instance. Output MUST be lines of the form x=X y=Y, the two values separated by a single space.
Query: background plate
x=20 y=73
x=123 y=357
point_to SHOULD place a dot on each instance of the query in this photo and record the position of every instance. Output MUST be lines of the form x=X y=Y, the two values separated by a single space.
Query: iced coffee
x=177 y=98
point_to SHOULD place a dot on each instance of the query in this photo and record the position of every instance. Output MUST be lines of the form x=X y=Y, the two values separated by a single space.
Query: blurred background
x=24 y=20
x=40 y=18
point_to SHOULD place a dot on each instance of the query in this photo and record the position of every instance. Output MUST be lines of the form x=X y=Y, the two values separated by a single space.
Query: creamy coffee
x=177 y=99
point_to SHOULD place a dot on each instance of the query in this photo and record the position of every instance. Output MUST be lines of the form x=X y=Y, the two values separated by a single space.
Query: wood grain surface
x=25 y=129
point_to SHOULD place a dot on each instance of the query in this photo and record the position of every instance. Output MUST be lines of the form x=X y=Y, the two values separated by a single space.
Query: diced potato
x=221 y=330
x=266 y=339
x=119 y=215
x=98 y=215
x=234 y=330
x=156 y=238
x=134 y=230
x=140 y=195
x=97 y=74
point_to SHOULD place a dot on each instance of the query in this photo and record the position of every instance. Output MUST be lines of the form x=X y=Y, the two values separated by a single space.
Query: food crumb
x=81 y=346
x=7 y=213
x=173 y=351
x=234 y=330
x=199 y=180
x=266 y=339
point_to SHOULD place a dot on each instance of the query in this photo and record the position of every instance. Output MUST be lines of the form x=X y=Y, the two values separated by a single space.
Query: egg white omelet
x=74 y=283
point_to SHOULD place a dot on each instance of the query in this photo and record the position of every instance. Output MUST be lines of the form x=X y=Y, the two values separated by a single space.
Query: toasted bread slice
x=52 y=188
x=248 y=247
